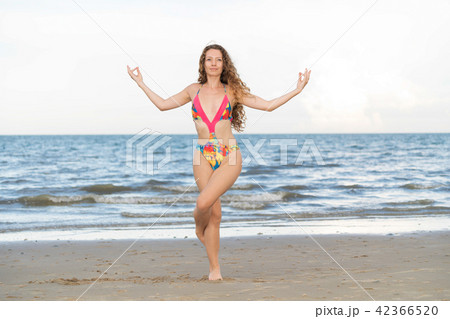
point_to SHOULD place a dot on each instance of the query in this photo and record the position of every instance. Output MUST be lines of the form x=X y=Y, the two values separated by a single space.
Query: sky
x=375 y=68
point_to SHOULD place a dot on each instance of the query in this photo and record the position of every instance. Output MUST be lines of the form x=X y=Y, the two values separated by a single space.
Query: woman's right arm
x=172 y=102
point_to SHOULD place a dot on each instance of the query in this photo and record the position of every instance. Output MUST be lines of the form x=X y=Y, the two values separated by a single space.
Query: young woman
x=217 y=106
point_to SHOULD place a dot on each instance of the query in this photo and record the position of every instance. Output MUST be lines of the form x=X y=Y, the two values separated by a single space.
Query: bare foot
x=215 y=274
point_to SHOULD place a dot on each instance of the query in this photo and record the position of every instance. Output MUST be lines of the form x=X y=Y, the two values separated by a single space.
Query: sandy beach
x=406 y=267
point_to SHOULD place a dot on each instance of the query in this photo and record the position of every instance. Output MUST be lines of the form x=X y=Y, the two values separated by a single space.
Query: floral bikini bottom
x=214 y=151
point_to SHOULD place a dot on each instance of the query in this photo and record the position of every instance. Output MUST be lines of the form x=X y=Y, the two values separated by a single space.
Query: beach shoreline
x=326 y=226
x=410 y=266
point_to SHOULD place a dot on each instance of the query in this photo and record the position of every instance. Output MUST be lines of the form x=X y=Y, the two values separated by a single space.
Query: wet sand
x=406 y=267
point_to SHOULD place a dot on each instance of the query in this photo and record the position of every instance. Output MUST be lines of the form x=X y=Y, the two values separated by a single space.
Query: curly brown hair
x=230 y=77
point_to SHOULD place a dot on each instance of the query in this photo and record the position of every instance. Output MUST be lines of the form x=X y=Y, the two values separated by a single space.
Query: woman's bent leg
x=202 y=174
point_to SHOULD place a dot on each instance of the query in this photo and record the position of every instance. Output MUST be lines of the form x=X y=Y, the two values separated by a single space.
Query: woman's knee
x=203 y=204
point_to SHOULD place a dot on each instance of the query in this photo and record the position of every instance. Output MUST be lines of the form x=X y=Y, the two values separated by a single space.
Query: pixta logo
x=142 y=151
x=308 y=152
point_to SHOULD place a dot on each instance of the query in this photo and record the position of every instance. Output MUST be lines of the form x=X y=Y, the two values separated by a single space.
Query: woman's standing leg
x=220 y=181
x=212 y=237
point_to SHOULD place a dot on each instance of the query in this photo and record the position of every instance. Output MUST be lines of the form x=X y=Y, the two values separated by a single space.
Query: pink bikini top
x=224 y=109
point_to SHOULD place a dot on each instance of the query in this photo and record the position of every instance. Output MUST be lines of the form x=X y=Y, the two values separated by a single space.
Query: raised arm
x=258 y=103
x=172 y=102
x=255 y=102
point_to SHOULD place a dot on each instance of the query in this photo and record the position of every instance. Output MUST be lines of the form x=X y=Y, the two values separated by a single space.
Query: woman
x=220 y=160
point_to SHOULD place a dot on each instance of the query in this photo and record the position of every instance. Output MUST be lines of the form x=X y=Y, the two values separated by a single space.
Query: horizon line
x=354 y=133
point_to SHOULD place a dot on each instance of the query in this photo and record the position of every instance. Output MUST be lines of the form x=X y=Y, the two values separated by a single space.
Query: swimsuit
x=213 y=150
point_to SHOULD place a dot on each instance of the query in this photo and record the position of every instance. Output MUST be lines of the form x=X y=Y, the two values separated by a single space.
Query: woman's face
x=213 y=62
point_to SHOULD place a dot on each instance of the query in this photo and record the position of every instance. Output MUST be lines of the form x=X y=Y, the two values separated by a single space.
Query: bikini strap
x=199 y=88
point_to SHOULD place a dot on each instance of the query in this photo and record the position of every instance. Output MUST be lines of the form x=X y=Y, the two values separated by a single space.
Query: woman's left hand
x=302 y=82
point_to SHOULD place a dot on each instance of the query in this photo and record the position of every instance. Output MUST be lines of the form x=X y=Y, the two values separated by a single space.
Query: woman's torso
x=211 y=102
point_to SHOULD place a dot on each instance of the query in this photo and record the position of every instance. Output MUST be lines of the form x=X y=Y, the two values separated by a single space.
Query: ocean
x=123 y=186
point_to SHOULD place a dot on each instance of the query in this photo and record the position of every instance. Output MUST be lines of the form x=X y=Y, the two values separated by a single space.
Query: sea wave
x=50 y=200
x=259 y=171
x=14 y=181
x=442 y=209
x=293 y=187
x=420 y=186
x=252 y=205
x=257 y=200
x=413 y=202
x=352 y=186
x=94 y=226
x=176 y=189
x=244 y=186
x=156 y=214
x=106 y=189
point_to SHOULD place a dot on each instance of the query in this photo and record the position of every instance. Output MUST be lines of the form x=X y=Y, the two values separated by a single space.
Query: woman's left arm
x=258 y=103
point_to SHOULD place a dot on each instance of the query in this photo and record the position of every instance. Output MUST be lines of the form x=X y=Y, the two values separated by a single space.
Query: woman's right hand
x=137 y=78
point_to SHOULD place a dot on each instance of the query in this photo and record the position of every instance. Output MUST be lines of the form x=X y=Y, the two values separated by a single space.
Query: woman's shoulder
x=193 y=88
x=194 y=85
